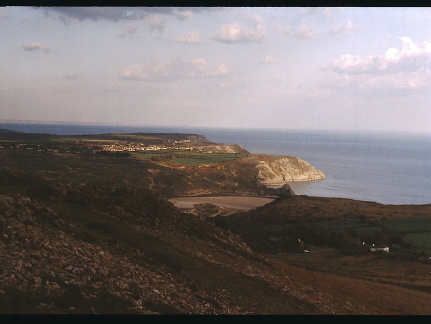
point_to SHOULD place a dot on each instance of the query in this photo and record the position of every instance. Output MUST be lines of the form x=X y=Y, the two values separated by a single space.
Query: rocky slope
x=68 y=249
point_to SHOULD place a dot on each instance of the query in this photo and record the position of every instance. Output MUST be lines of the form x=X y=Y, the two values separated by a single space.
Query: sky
x=335 y=68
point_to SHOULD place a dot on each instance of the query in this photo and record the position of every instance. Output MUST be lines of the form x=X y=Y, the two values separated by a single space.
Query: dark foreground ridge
x=86 y=249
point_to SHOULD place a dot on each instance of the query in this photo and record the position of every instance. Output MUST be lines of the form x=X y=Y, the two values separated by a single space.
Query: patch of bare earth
x=236 y=202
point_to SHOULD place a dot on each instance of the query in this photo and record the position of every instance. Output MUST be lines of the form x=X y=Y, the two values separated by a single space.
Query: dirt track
x=237 y=202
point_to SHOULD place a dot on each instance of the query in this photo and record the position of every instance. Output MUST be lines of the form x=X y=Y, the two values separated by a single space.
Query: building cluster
x=133 y=147
x=186 y=145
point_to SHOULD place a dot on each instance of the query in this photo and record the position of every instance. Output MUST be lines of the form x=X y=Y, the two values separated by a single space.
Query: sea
x=383 y=167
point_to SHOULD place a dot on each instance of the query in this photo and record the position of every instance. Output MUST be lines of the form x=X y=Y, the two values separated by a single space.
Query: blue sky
x=335 y=68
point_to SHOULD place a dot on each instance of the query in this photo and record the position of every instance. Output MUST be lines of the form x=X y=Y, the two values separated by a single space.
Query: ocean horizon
x=384 y=167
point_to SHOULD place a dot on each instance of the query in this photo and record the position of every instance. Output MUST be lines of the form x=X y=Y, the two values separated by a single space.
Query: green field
x=416 y=231
x=418 y=224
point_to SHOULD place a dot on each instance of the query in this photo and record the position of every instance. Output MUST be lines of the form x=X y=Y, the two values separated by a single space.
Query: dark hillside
x=68 y=249
x=109 y=250
x=289 y=223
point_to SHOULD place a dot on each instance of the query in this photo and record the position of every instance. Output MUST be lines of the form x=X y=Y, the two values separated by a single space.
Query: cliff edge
x=276 y=171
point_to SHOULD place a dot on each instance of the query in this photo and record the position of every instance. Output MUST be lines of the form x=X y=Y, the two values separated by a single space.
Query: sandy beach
x=238 y=202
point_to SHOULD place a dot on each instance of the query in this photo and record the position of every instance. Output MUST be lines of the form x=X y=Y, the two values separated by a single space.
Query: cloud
x=269 y=59
x=189 y=38
x=343 y=28
x=406 y=67
x=175 y=69
x=105 y=13
x=35 y=46
x=118 y=13
x=130 y=31
x=408 y=58
x=156 y=22
x=348 y=63
x=305 y=32
x=183 y=15
x=301 y=32
x=234 y=32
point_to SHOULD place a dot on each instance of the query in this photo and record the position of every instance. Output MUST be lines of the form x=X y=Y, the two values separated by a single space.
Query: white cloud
x=269 y=59
x=408 y=53
x=175 y=69
x=343 y=28
x=256 y=19
x=406 y=67
x=234 y=32
x=348 y=63
x=301 y=32
x=35 y=46
x=190 y=38
x=305 y=32
x=408 y=58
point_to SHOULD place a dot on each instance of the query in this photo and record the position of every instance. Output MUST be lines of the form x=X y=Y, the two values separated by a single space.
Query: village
x=133 y=147
x=117 y=146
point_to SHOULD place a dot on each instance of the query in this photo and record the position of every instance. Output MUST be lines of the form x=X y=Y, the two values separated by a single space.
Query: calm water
x=389 y=168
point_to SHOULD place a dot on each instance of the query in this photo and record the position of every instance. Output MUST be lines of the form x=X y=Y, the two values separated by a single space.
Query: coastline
x=366 y=166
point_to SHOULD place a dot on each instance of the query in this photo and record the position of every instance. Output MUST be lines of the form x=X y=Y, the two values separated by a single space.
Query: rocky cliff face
x=276 y=171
